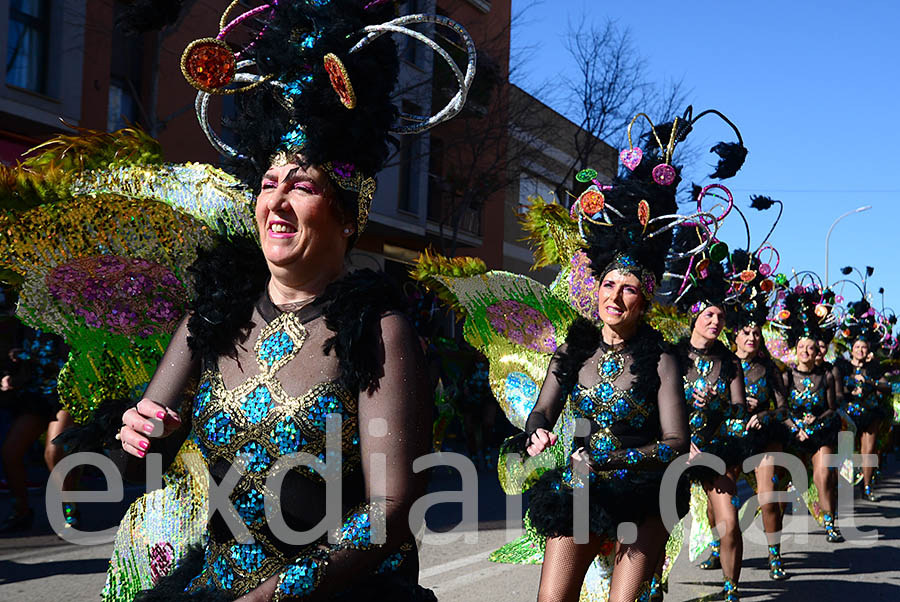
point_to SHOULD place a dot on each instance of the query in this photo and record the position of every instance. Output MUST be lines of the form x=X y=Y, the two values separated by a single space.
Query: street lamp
x=828 y=236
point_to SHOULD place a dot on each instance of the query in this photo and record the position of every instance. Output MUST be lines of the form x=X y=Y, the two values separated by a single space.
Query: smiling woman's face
x=620 y=299
x=749 y=339
x=298 y=225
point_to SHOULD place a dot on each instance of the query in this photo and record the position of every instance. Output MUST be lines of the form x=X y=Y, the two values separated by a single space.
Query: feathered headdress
x=314 y=84
x=629 y=224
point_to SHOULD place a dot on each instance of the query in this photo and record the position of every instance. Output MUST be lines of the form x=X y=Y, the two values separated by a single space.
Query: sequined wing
x=515 y=321
x=159 y=528
x=98 y=244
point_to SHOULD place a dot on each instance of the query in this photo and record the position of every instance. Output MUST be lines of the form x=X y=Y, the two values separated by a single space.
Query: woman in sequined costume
x=812 y=406
x=763 y=387
x=714 y=392
x=767 y=406
x=621 y=379
x=864 y=385
x=286 y=352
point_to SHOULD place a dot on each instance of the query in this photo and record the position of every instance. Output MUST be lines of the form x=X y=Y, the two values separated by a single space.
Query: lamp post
x=828 y=236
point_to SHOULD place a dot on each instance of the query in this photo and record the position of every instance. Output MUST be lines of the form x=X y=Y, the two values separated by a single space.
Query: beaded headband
x=628 y=265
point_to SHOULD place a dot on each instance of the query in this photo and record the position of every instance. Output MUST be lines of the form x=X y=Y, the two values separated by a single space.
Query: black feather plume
x=731 y=159
x=760 y=202
x=846 y=270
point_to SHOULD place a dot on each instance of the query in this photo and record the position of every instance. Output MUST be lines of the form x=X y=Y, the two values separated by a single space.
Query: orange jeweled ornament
x=767 y=286
x=592 y=201
x=340 y=80
x=643 y=213
x=208 y=64
x=748 y=275
x=784 y=315
x=821 y=310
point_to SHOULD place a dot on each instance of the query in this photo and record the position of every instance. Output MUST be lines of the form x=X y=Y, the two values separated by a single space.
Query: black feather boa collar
x=221 y=314
x=584 y=338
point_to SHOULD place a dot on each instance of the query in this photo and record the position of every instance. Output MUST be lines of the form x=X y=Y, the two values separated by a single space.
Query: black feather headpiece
x=861 y=324
x=313 y=85
x=802 y=315
x=750 y=306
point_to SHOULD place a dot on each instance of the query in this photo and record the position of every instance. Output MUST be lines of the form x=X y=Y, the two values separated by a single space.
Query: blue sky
x=813 y=87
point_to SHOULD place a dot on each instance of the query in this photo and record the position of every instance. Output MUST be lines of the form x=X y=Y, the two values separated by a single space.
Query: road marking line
x=453 y=565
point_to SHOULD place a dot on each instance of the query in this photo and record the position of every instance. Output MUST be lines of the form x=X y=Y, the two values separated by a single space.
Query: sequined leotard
x=861 y=399
x=637 y=426
x=270 y=400
x=718 y=427
x=813 y=394
x=763 y=382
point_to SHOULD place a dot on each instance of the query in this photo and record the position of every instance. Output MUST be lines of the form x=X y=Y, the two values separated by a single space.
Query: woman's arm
x=550 y=403
x=176 y=372
x=395 y=426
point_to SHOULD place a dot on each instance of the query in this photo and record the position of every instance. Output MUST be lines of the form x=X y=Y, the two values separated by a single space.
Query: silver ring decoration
x=455 y=105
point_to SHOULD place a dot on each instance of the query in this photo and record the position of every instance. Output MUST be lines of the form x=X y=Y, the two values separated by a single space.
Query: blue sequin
x=258 y=459
x=247 y=557
x=250 y=507
x=301 y=577
x=256 y=404
x=606 y=391
x=276 y=346
x=633 y=456
x=201 y=400
x=324 y=405
x=605 y=419
x=357 y=530
x=603 y=442
x=287 y=436
x=621 y=408
x=391 y=563
x=224 y=575
x=521 y=392
x=218 y=429
x=664 y=452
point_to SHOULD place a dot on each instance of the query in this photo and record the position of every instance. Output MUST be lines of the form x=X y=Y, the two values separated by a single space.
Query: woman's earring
x=348 y=231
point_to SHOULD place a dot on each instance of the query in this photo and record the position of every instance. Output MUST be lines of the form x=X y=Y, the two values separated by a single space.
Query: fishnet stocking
x=565 y=564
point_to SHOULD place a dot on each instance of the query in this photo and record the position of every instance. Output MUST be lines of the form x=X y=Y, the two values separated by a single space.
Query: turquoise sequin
x=247 y=557
x=391 y=563
x=250 y=507
x=224 y=575
x=275 y=347
x=258 y=459
x=201 y=400
x=356 y=531
x=287 y=436
x=324 y=405
x=218 y=429
x=256 y=404
x=301 y=577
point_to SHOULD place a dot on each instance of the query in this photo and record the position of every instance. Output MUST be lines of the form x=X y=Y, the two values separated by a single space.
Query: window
x=529 y=186
x=410 y=160
x=27 y=44
x=125 y=77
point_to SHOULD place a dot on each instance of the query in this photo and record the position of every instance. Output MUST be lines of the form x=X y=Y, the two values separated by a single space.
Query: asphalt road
x=40 y=567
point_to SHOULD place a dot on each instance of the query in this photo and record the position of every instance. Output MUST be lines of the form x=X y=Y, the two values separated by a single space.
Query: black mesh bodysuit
x=763 y=382
x=271 y=399
x=630 y=397
x=718 y=427
x=862 y=400
x=812 y=397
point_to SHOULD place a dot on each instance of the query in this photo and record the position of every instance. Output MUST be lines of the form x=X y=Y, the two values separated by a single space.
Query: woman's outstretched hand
x=541 y=439
x=147 y=419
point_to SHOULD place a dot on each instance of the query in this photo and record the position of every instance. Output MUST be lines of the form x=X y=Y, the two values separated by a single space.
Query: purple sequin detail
x=345 y=170
x=583 y=287
x=523 y=325
x=125 y=296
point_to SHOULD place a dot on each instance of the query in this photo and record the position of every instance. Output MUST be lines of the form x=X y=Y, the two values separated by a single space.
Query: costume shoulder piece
x=353 y=306
x=222 y=310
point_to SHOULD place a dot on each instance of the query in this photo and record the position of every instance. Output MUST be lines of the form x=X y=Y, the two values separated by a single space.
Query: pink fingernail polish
x=141 y=454
x=160 y=415
x=148 y=428
x=143 y=445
